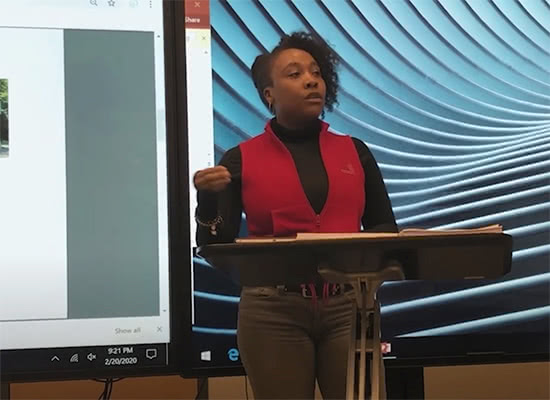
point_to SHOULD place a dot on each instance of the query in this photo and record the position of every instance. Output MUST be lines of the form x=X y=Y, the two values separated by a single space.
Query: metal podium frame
x=365 y=314
x=365 y=263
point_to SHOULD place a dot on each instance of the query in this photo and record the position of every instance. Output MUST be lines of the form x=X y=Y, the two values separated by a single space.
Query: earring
x=270 y=108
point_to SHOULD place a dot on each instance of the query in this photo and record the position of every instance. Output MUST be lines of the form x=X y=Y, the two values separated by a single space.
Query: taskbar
x=75 y=359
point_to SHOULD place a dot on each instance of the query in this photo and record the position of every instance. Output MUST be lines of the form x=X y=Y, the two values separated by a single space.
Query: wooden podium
x=365 y=263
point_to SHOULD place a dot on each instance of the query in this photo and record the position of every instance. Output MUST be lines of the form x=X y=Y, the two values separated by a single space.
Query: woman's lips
x=314 y=95
x=314 y=98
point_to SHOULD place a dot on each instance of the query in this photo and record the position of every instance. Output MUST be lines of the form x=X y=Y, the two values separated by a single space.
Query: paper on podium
x=408 y=232
x=436 y=232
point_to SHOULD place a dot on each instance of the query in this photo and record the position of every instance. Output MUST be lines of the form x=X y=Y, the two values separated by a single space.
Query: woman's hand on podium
x=213 y=179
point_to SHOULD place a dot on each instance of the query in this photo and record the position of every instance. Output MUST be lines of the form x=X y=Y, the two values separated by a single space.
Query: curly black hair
x=325 y=57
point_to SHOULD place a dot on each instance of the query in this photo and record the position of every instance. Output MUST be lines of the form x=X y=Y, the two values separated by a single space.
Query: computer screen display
x=85 y=282
x=453 y=100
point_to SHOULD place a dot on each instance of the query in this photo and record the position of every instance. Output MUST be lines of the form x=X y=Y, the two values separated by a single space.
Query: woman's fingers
x=214 y=179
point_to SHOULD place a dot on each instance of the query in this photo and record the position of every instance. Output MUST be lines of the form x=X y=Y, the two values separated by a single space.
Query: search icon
x=93 y=2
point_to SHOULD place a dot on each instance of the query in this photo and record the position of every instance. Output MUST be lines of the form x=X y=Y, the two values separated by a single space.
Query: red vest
x=273 y=198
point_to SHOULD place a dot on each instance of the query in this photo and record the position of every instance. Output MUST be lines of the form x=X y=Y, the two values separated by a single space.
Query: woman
x=296 y=176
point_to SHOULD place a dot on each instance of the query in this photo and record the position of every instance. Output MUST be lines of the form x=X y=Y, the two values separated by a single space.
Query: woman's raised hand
x=213 y=179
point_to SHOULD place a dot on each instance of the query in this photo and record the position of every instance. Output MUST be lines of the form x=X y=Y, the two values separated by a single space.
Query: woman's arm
x=378 y=215
x=226 y=204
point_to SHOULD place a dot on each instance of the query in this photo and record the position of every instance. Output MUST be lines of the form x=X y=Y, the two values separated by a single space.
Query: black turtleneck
x=303 y=145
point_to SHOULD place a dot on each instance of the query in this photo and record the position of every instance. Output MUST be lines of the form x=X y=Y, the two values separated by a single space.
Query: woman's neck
x=304 y=132
x=295 y=124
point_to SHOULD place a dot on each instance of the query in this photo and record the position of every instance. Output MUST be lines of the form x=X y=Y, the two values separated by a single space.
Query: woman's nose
x=311 y=83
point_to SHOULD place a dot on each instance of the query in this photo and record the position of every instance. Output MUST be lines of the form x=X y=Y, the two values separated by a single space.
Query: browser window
x=83 y=185
x=200 y=115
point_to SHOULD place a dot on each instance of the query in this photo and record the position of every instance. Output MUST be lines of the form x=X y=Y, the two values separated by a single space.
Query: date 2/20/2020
x=121 y=361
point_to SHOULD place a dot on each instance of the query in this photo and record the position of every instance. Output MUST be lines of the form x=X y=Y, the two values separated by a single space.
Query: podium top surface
x=435 y=257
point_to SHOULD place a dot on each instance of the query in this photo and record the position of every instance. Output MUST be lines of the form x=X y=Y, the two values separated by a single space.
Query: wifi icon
x=74 y=358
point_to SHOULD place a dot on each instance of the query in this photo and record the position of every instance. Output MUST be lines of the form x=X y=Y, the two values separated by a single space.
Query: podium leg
x=377 y=382
x=365 y=312
x=350 y=377
x=363 y=347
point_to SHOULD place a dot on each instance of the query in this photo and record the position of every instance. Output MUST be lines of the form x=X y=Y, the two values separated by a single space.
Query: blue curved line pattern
x=215 y=331
x=512 y=41
x=456 y=185
x=216 y=297
x=509 y=216
x=453 y=71
x=486 y=290
x=511 y=187
x=491 y=165
x=532 y=252
x=499 y=321
x=532 y=228
x=474 y=46
x=523 y=23
x=509 y=35
x=535 y=9
x=437 y=300
x=452 y=98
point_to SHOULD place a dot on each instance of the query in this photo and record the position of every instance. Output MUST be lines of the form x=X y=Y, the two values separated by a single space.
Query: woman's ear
x=268 y=94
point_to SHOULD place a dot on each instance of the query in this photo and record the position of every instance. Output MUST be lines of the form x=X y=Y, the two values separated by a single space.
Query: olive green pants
x=287 y=342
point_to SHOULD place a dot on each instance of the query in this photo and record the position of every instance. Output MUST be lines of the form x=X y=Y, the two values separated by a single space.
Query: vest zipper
x=318 y=222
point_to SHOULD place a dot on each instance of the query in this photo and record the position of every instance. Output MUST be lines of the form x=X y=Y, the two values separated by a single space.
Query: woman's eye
x=316 y=73
x=294 y=74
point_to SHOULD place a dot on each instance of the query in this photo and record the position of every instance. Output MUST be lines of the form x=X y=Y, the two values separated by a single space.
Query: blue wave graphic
x=453 y=99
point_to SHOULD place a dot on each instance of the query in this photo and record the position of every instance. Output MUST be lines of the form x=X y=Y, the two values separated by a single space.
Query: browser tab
x=197 y=14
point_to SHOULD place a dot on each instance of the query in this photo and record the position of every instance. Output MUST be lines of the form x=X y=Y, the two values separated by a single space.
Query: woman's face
x=298 y=91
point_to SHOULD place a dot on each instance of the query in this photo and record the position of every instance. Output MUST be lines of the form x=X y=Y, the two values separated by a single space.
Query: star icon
x=111 y=3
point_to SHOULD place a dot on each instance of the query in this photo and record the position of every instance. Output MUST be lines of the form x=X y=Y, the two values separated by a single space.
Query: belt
x=306 y=290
